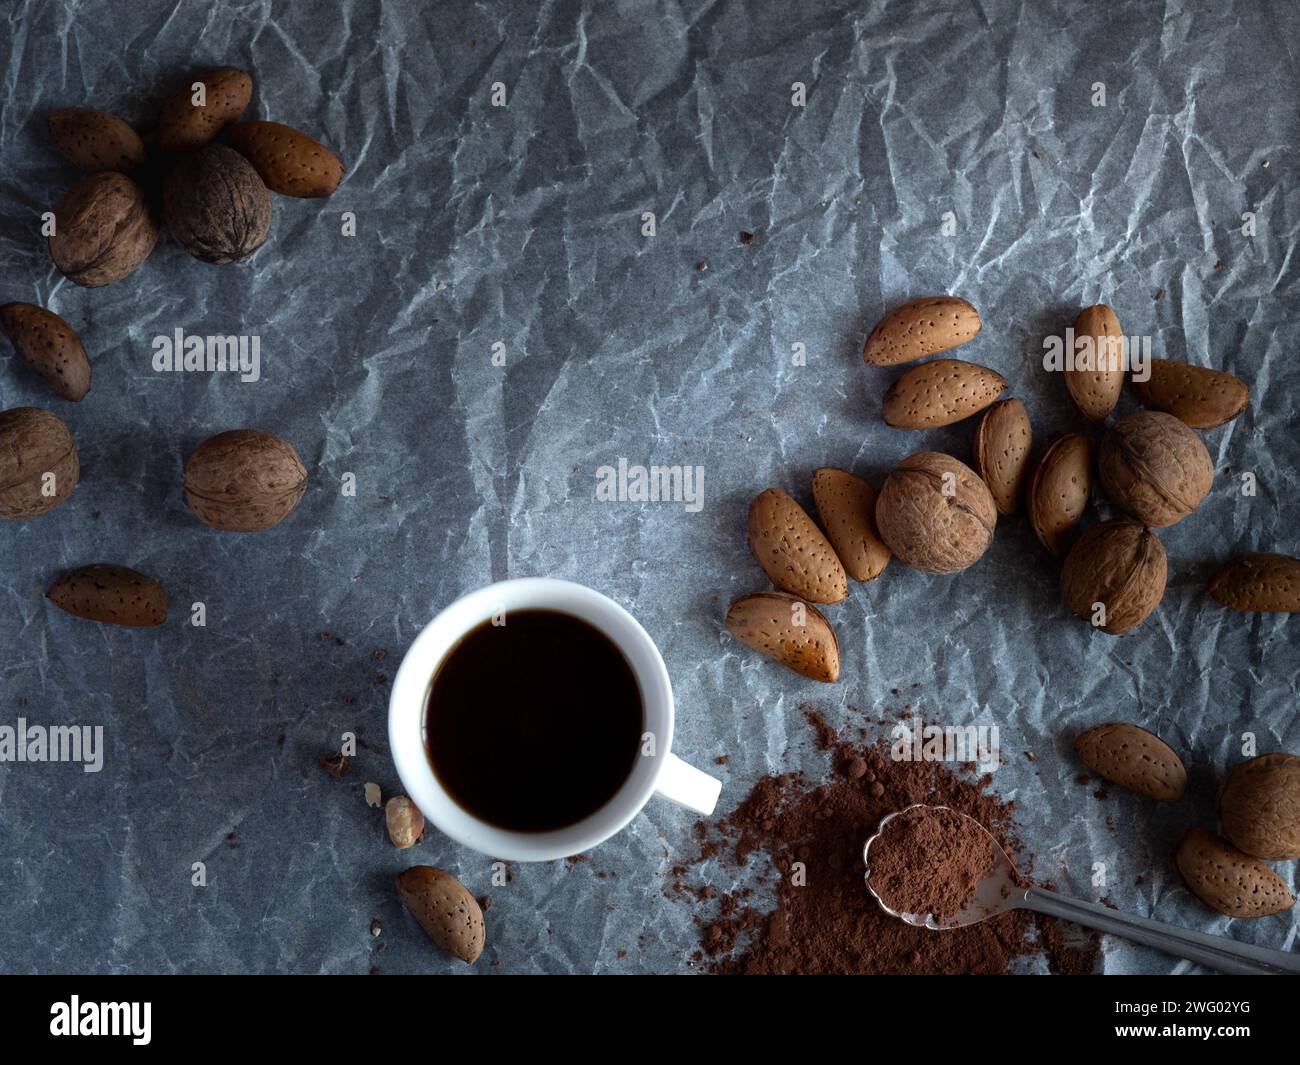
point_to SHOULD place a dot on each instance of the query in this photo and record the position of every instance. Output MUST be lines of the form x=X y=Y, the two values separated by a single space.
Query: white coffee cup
x=660 y=772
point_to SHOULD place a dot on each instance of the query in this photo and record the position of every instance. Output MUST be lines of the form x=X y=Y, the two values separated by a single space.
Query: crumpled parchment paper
x=517 y=231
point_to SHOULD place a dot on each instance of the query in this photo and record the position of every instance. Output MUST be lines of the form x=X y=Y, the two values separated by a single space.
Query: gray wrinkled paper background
x=521 y=225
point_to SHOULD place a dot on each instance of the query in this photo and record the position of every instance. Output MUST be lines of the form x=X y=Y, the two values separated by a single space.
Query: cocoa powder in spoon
x=928 y=860
x=797 y=843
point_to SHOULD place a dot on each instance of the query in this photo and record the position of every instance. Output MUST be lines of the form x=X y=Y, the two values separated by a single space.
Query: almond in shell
x=792 y=550
x=93 y=141
x=926 y=326
x=1133 y=758
x=1001 y=449
x=787 y=629
x=941 y=392
x=445 y=909
x=1114 y=575
x=114 y=595
x=196 y=111
x=1059 y=490
x=51 y=347
x=1259 y=582
x=1259 y=807
x=290 y=162
x=1227 y=880
x=847 y=508
x=1197 y=396
x=1098 y=377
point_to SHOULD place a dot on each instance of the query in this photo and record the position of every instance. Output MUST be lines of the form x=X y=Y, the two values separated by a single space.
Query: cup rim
x=406 y=708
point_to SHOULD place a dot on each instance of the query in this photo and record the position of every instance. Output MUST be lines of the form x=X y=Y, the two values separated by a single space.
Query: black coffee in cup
x=533 y=724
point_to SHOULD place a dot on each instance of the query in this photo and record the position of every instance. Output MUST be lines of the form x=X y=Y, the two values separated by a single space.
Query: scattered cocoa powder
x=823 y=920
x=335 y=765
x=930 y=861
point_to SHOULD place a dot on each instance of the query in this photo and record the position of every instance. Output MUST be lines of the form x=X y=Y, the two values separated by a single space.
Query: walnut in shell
x=935 y=513
x=216 y=205
x=1114 y=575
x=244 y=480
x=38 y=463
x=102 y=230
x=1259 y=807
x=1154 y=467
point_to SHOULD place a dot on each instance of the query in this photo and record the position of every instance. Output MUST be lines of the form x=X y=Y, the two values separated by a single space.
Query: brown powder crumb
x=746 y=237
x=335 y=765
x=821 y=919
x=827 y=737
x=721 y=760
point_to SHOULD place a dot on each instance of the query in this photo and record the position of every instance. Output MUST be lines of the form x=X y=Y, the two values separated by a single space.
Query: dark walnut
x=244 y=480
x=102 y=230
x=216 y=205
x=38 y=463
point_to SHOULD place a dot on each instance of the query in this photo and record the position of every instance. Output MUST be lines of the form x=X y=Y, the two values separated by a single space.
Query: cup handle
x=688 y=786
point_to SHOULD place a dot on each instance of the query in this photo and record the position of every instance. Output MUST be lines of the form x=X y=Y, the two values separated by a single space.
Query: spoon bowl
x=996 y=893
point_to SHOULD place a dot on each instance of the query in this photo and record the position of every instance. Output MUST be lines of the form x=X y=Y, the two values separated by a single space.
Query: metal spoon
x=998 y=892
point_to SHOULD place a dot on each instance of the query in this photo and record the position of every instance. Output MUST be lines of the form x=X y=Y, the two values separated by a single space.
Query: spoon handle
x=1216 y=952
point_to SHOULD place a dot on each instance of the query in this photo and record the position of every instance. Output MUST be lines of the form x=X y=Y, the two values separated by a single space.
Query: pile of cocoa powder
x=824 y=920
x=930 y=860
